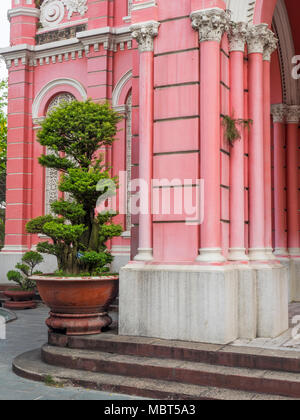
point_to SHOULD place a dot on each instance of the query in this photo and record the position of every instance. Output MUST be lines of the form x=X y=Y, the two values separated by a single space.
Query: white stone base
x=295 y=280
x=247 y=302
x=272 y=299
x=188 y=303
x=208 y=304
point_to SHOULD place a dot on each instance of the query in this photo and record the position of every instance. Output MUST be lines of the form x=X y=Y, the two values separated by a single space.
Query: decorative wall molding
x=108 y=38
x=23 y=11
x=49 y=86
x=210 y=23
x=144 y=33
x=53 y=11
x=144 y=5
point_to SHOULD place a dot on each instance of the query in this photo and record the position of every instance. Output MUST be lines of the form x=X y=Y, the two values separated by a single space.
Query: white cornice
x=145 y=5
x=110 y=38
x=23 y=11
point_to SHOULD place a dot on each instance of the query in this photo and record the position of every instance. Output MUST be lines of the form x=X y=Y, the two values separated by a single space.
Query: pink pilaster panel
x=237 y=182
x=256 y=156
x=292 y=189
x=267 y=157
x=279 y=187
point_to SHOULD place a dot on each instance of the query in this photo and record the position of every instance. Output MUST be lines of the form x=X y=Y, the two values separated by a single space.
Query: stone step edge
x=30 y=366
x=286 y=384
x=244 y=357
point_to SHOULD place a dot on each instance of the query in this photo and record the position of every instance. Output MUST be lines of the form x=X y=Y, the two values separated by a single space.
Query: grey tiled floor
x=27 y=333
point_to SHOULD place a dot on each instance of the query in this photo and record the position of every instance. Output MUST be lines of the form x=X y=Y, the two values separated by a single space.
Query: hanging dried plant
x=232 y=133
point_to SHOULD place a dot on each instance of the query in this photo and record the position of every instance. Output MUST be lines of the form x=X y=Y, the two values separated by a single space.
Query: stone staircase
x=163 y=369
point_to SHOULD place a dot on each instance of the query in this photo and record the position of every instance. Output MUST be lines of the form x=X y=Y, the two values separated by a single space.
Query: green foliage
x=232 y=132
x=26 y=269
x=78 y=129
x=73 y=133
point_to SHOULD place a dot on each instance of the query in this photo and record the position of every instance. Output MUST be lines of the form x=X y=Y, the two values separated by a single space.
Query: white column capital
x=278 y=112
x=257 y=38
x=292 y=114
x=144 y=33
x=237 y=35
x=270 y=46
x=210 y=23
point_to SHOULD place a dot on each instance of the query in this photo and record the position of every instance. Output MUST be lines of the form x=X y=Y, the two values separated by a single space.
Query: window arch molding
x=53 y=88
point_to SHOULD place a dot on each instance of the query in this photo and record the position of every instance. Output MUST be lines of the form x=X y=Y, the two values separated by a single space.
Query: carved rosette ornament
x=211 y=24
x=53 y=11
x=270 y=46
x=278 y=112
x=293 y=114
x=237 y=35
x=257 y=38
x=144 y=33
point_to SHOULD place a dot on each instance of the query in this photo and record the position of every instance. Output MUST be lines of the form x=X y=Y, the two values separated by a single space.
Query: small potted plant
x=80 y=292
x=22 y=296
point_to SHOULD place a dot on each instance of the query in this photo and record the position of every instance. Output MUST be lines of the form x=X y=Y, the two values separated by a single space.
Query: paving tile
x=24 y=334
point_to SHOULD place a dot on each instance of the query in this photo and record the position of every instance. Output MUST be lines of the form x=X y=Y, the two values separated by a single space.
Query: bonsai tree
x=26 y=269
x=74 y=132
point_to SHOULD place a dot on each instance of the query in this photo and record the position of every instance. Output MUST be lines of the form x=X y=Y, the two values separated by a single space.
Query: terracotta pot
x=19 y=299
x=78 y=305
x=19 y=295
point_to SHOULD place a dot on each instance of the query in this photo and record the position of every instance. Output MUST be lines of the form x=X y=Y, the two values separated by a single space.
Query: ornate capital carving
x=278 y=112
x=144 y=33
x=257 y=38
x=293 y=114
x=237 y=35
x=210 y=23
x=270 y=46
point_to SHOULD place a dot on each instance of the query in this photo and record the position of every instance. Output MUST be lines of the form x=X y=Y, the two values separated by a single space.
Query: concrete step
x=191 y=373
x=30 y=366
x=244 y=357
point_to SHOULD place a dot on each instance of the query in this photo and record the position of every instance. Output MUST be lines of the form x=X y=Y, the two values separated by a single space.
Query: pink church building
x=176 y=69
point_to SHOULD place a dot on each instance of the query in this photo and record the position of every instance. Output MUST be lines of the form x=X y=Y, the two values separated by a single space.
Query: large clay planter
x=19 y=299
x=78 y=305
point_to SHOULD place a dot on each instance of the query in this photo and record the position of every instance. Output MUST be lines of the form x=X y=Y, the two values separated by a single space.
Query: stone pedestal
x=208 y=304
x=189 y=303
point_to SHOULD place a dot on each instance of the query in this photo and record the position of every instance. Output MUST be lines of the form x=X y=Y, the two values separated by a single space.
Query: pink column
x=211 y=24
x=278 y=112
x=237 y=38
x=292 y=119
x=256 y=42
x=144 y=34
x=270 y=47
